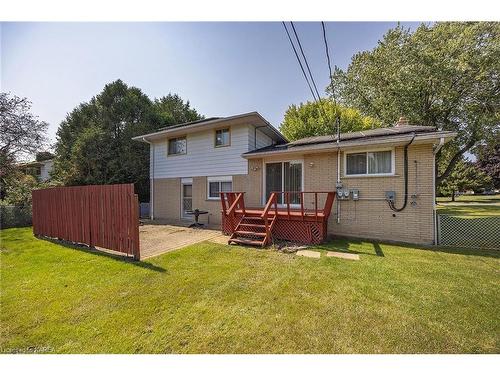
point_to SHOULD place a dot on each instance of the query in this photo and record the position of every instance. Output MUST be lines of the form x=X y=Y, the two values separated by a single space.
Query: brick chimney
x=401 y=122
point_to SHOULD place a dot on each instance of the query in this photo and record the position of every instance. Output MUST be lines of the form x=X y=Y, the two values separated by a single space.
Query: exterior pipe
x=152 y=185
x=440 y=144
x=436 y=150
x=338 y=168
x=405 y=167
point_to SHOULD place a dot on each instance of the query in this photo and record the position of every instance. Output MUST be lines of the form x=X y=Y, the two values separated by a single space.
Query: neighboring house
x=191 y=163
x=39 y=169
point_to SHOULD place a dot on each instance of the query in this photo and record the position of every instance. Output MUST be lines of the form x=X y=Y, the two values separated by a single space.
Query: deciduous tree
x=318 y=118
x=21 y=134
x=488 y=160
x=465 y=176
x=445 y=75
x=94 y=142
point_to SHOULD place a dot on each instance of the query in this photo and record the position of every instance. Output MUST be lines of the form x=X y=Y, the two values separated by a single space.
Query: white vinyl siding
x=46 y=169
x=202 y=158
x=262 y=139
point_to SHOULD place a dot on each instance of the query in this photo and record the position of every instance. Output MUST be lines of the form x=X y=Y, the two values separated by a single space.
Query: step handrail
x=272 y=200
x=228 y=199
x=239 y=200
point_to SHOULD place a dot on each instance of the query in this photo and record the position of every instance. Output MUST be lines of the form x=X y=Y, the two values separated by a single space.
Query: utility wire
x=337 y=120
x=305 y=59
x=300 y=62
x=328 y=58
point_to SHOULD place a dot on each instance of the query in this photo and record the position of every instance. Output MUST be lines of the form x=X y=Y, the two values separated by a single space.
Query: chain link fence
x=478 y=232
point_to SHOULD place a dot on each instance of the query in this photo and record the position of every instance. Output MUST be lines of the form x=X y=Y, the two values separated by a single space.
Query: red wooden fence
x=100 y=215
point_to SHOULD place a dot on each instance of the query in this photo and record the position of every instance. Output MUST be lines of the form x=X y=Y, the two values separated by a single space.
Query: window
x=222 y=137
x=369 y=163
x=177 y=146
x=284 y=176
x=218 y=184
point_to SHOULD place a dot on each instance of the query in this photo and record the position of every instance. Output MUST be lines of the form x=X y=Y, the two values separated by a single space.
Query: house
x=192 y=163
x=39 y=169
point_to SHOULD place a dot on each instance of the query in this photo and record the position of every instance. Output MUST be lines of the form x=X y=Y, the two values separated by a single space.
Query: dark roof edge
x=211 y=120
x=346 y=143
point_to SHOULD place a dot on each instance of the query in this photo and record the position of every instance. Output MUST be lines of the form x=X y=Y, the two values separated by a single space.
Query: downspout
x=339 y=183
x=440 y=144
x=152 y=178
x=436 y=150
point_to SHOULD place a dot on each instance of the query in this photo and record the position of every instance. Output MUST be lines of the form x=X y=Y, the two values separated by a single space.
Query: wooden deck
x=283 y=213
x=259 y=226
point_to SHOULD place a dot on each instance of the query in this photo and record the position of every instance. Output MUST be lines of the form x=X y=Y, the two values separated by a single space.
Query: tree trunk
x=454 y=160
x=453 y=196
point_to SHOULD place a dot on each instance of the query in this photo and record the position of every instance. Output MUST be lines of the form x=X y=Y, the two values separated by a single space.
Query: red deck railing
x=301 y=216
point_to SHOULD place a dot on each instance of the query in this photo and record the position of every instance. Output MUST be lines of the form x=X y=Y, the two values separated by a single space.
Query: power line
x=337 y=120
x=305 y=59
x=328 y=58
x=300 y=62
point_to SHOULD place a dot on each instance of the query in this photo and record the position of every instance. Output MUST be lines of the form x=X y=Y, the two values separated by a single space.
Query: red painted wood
x=291 y=224
x=103 y=215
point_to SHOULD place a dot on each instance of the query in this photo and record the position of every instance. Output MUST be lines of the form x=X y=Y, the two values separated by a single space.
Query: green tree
x=488 y=160
x=19 y=190
x=318 y=118
x=444 y=75
x=94 y=142
x=173 y=110
x=465 y=176
x=21 y=135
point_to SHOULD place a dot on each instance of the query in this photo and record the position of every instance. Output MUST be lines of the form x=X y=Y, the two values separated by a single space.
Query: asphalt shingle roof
x=312 y=142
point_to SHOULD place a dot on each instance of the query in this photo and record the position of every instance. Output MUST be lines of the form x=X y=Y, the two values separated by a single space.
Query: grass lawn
x=468 y=210
x=212 y=298
x=470 y=206
x=472 y=199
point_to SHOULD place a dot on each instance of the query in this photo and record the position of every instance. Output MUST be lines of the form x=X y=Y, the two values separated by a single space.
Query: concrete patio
x=159 y=237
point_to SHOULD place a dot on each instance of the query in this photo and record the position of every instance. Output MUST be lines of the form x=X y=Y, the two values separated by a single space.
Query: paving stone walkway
x=159 y=239
x=309 y=253
x=317 y=254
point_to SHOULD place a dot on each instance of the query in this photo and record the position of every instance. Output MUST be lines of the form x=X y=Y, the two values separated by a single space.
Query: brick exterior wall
x=167 y=198
x=370 y=217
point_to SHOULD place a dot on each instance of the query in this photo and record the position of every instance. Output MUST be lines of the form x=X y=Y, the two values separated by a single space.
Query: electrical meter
x=355 y=194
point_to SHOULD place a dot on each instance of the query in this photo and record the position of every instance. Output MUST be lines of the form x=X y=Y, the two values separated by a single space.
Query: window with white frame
x=177 y=146
x=369 y=163
x=222 y=137
x=217 y=185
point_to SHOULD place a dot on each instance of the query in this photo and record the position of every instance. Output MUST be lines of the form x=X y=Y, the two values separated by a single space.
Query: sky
x=223 y=69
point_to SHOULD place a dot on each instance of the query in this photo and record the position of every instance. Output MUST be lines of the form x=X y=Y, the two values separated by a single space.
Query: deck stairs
x=251 y=230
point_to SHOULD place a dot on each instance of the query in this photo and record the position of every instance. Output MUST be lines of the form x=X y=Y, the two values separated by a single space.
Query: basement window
x=217 y=185
x=371 y=163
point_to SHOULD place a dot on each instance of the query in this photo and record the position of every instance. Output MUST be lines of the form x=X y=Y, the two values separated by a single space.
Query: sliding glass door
x=282 y=177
